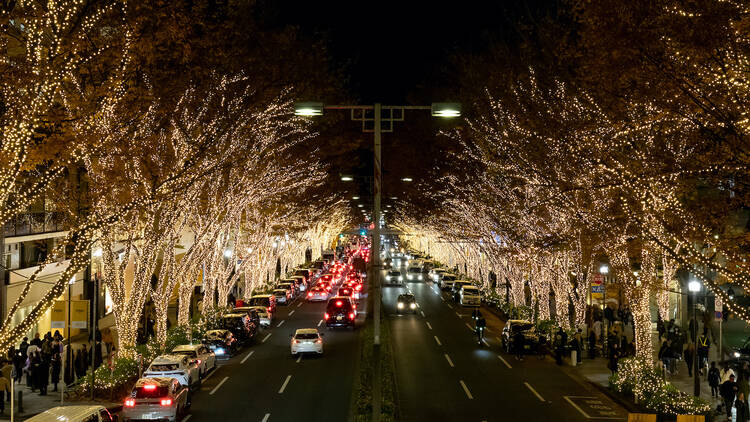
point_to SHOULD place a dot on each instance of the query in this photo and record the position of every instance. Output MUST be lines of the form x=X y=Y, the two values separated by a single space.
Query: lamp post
x=695 y=286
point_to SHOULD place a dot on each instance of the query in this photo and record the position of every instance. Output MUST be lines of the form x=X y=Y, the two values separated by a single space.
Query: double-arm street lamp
x=378 y=116
x=695 y=286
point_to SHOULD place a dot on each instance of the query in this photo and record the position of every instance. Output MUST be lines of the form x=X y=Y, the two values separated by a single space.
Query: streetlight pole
x=376 y=231
x=694 y=286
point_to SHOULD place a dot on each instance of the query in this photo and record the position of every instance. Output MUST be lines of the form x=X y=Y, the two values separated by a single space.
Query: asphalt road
x=265 y=383
x=442 y=374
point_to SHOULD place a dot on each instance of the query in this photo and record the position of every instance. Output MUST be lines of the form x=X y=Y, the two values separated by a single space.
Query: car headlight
x=419 y=276
x=400 y=278
x=737 y=354
x=413 y=306
x=400 y=305
x=219 y=351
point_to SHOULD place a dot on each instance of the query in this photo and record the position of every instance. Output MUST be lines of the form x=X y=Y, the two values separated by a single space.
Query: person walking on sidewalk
x=614 y=355
x=4 y=389
x=703 y=347
x=743 y=413
x=56 y=364
x=577 y=345
x=665 y=355
x=726 y=372
x=713 y=379
x=689 y=354
x=728 y=392
x=7 y=372
x=80 y=364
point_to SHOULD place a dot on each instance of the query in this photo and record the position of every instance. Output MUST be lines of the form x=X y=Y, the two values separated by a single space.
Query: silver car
x=156 y=399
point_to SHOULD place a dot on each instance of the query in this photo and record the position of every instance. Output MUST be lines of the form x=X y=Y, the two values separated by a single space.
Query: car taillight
x=359 y=287
x=326 y=316
x=339 y=303
x=149 y=387
x=319 y=341
x=129 y=403
x=310 y=294
x=351 y=315
x=295 y=341
x=166 y=402
x=269 y=309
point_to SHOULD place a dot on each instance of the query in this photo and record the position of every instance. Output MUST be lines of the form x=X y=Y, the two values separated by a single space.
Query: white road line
x=281 y=323
x=438 y=341
x=429 y=326
x=290 y=313
x=499 y=339
x=458 y=315
x=209 y=376
x=485 y=342
x=185 y=419
x=577 y=408
x=283 y=387
x=505 y=362
x=266 y=338
x=218 y=385
x=321 y=321
x=422 y=312
x=300 y=304
x=449 y=305
x=466 y=390
x=533 y=391
x=265 y=418
x=248 y=356
x=450 y=362
x=299 y=358
x=470 y=327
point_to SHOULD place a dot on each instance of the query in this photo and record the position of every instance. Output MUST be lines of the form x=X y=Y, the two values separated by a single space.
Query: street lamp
x=695 y=286
x=360 y=205
x=445 y=110
x=407 y=179
x=355 y=197
x=604 y=269
x=308 y=109
x=346 y=178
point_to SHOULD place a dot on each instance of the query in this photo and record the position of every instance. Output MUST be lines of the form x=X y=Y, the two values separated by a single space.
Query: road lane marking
x=466 y=390
x=450 y=362
x=279 y=324
x=299 y=358
x=265 y=418
x=218 y=385
x=485 y=342
x=438 y=341
x=185 y=419
x=470 y=327
x=300 y=304
x=290 y=313
x=422 y=312
x=505 y=362
x=458 y=315
x=248 y=355
x=449 y=305
x=266 y=338
x=321 y=321
x=209 y=376
x=283 y=387
x=533 y=391
x=429 y=326
x=499 y=339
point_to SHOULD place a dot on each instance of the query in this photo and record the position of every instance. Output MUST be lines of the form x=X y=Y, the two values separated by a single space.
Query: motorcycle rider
x=480 y=325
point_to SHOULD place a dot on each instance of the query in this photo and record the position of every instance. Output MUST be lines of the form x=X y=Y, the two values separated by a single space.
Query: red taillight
x=198 y=361
x=269 y=309
x=326 y=316
x=319 y=341
x=339 y=303
x=351 y=315
x=149 y=387
x=129 y=403
x=295 y=341
x=166 y=402
x=359 y=287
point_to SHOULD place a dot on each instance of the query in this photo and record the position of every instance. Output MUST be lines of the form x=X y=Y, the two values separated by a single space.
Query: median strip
x=533 y=391
x=218 y=385
x=449 y=305
x=185 y=419
x=248 y=355
x=450 y=362
x=290 y=313
x=300 y=304
x=283 y=387
x=321 y=321
x=466 y=390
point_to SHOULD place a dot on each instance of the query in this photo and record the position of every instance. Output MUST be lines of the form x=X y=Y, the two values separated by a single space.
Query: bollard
x=20 y=401
x=573 y=357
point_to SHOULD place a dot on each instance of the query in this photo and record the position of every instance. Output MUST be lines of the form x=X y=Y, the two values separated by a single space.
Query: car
x=406 y=302
x=290 y=285
x=513 y=326
x=80 y=413
x=158 y=398
x=327 y=285
x=394 y=276
x=300 y=282
x=437 y=273
x=456 y=288
x=174 y=366
x=446 y=281
x=283 y=297
x=264 y=317
x=221 y=342
x=307 y=340
x=317 y=294
x=469 y=296
x=340 y=312
x=198 y=352
x=414 y=272
x=303 y=272
x=268 y=301
x=347 y=292
x=240 y=325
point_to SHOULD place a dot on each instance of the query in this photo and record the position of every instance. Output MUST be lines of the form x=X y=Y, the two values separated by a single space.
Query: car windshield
x=449 y=278
x=394 y=273
x=522 y=327
x=406 y=298
x=279 y=292
x=188 y=353
x=232 y=322
x=161 y=367
x=415 y=270
x=259 y=301
x=149 y=391
x=306 y=336
x=471 y=290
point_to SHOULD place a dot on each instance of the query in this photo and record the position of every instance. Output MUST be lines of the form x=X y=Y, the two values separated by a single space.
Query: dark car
x=252 y=313
x=241 y=327
x=406 y=303
x=340 y=312
x=221 y=342
x=512 y=327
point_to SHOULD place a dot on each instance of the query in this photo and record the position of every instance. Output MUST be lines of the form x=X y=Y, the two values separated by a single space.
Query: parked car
x=221 y=342
x=156 y=399
x=301 y=282
x=513 y=326
x=456 y=288
x=290 y=285
x=307 y=340
x=240 y=326
x=446 y=281
x=406 y=303
x=268 y=301
x=74 y=414
x=264 y=317
x=174 y=366
x=199 y=353
x=470 y=296
x=283 y=297
x=340 y=312
x=436 y=274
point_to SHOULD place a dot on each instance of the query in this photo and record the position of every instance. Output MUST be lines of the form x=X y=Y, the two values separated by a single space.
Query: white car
x=199 y=353
x=174 y=366
x=394 y=276
x=307 y=340
x=263 y=314
x=414 y=273
x=470 y=296
x=437 y=273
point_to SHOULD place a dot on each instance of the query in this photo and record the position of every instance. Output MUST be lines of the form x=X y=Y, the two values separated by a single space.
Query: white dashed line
x=185 y=419
x=265 y=418
x=438 y=341
x=533 y=391
x=505 y=362
x=290 y=313
x=300 y=304
x=466 y=390
x=449 y=305
x=248 y=356
x=283 y=387
x=421 y=312
x=279 y=324
x=458 y=315
x=321 y=321
x=429 y=326
x=450 y=362
x=485 y=343
x=218 y=385
x=266 y=338
x=209 y=376
x=299 y=358
x=470 y=327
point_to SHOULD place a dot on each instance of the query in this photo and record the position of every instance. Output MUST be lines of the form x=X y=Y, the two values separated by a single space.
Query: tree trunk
x=642 y=320
x=161 y=321
x=127 y=332
x=183 y=310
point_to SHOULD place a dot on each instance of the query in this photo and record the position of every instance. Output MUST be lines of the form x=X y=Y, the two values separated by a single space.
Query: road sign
x=717 y=316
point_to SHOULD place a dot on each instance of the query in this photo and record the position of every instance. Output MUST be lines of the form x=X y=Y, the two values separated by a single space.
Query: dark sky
x=391 y=50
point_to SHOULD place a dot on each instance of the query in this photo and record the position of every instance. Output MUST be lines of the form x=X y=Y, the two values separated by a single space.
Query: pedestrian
x=614 y=355
x=688 y=355
x=598 y=330
x=725 y=372
x=560 y=341
x=743 y=413
x=18 y=361
x=36 y=341
x=592 y=345
x=24 y=347
x=4 y=387
x=714 y=379
x=693 y=329
x=703 y=347
x=43 y=376
x=80 y=364
x=660 y=326
x=57 y=336
x=34 y=367
x=577 y=345
x=728 y=392
x=7 y=373
x=665 y=355
x=518 y=344
x=56 y=364
x=86 y=360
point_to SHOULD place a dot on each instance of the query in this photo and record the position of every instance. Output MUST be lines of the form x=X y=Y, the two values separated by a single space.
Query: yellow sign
x=79 y=314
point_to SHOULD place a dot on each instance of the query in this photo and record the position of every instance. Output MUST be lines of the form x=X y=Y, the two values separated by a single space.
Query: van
x=470 y=296
x=267 y=301
x=74 y=414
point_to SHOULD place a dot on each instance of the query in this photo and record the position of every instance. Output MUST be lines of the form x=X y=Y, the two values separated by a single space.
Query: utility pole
x=376 y=231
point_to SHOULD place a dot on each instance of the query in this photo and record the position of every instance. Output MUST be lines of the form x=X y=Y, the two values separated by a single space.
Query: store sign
x=79 y=312
x=597 y=286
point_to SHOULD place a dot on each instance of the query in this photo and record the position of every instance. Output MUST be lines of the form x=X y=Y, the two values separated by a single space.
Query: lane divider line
x=321 y=321
x=429 y=326
x=485 y=342
x=449 y=305
x=300 y=304
x=533 y=391
x=470 y=327
x=290 y=313
x=450 y=362
x=458 y=315
x=266 y=338
x=265 y=418
x=185 y=419
x=438 y=341
x=248 y=356
x=209 y=376
x=218 y=385
x=299 y=358
x=422 y=312
x=505 y=362
x=283 y=387
x=466 y=390
x=280 y=324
